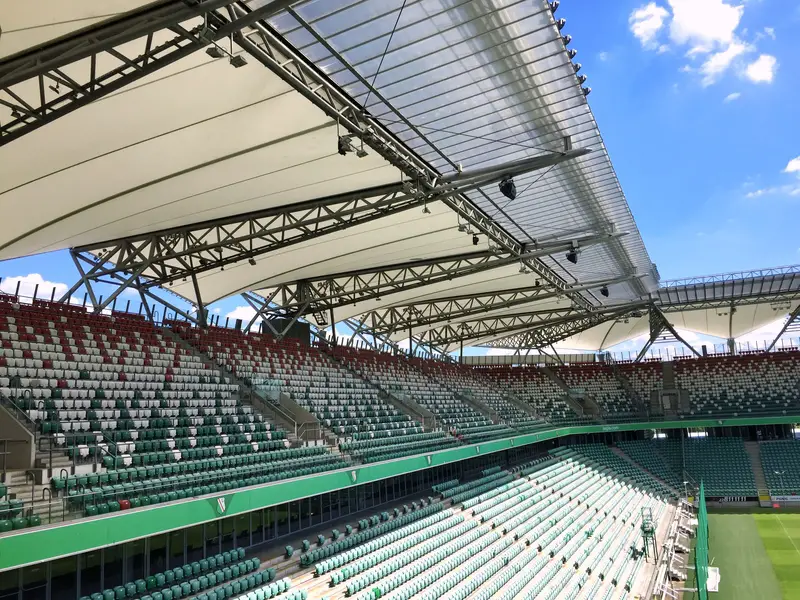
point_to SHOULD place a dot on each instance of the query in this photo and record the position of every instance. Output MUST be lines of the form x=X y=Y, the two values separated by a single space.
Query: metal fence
x=701 y=549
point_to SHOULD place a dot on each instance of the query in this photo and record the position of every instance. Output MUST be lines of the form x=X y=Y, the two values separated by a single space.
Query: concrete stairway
x=754 y=452
x=574 y=404
x=628 y=459
x=247 y=395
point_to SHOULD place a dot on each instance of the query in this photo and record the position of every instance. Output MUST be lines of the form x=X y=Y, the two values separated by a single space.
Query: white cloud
x=762 y=70
x=646 y=21
x=718 y=62
x=33 y=283
x=500 y=352
x=793 y=166
x=217 y=310
x=245 y=313
x=782 y=190
x=704 y=24
x=763 y=334
x=732 y=97
x=603 y=56
x=706 y=29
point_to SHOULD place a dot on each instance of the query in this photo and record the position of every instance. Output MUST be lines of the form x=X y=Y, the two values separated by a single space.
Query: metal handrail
x=49 y=503
x=32 y=476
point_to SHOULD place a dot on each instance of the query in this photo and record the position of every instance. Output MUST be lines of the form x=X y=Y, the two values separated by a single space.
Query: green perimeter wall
x=49 y=542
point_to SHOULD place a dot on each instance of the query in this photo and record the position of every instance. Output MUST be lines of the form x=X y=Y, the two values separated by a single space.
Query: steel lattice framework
x=528 y=289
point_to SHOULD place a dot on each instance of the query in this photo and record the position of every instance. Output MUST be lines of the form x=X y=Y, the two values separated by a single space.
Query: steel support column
x=793 y=316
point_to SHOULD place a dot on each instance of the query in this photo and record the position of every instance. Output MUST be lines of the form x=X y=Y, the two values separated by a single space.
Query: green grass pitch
x=758 y=553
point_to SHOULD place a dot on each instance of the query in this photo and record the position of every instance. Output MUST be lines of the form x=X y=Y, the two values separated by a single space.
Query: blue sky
x=697 y=101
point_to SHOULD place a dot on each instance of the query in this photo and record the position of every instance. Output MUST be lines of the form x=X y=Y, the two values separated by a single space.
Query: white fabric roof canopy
x=461 y=83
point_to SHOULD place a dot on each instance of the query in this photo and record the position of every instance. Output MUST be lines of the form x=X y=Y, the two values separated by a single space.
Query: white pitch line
x=787 y=534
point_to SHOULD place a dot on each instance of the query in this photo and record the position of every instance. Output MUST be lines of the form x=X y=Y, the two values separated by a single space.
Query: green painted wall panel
x=46 y=543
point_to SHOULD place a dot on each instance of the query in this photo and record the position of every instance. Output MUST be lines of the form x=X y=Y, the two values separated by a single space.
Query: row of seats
x=741 y=385
x=564 y=511
x=722 y=464
x=184 y=581
x=345 y=404
x=471 y=383
x=397 y=375
x=781 y=464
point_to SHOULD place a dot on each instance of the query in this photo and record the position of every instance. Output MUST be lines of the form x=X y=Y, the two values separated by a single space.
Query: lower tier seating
x=721 y=463
x=646 y=453
x=551 y=526
x=781 y=463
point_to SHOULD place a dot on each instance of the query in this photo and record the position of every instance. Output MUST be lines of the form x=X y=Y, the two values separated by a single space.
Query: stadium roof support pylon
x=123 y=281
x=659 y=324
x=793 y=317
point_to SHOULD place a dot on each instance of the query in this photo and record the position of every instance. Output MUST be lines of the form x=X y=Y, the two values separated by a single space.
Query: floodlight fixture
x=475 y=240
x=566 y=39
x=238 y=60
x=560 y=24
x=343 y=145
x=581 y=79
x=508 y=188
x=252 y=262
x=572 y=256
x=577 y=66
x=215 y=52
x=586 y=91
x=604 y=291
x=572 y=53
x=554 y=6
x=462 y=227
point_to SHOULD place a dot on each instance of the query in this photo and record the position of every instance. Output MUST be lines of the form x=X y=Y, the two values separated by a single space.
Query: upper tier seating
x=741 y=385
x=398 y=376
x=117 y=390
x=645 y=378
x=781 y=463
x=112 y=379
x=599 y=382
x=473 y=384
x=531 y=385
x=345 y=404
